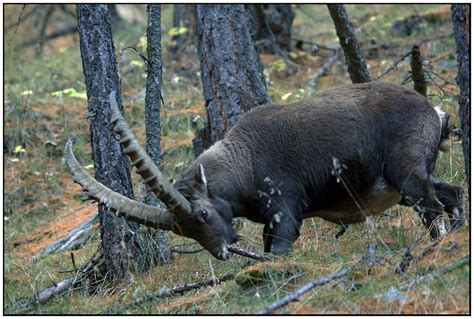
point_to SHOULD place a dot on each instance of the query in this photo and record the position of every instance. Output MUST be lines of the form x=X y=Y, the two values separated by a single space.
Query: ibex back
x=343 y=155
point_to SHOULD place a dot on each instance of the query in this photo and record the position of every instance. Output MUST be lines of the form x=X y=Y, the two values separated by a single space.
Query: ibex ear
x=200 y=181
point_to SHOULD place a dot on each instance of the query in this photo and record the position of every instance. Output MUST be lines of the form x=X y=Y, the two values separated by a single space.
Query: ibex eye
x=204 y=213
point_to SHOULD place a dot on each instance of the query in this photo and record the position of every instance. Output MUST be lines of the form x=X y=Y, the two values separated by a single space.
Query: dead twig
x=246 y=253
x=73 y=261
x=302 y=290
x=22 y=17
x=370 y=256
x=394 y=66
x=178 y=289
x=21 y=305
x=17 y=24
x=436 y=273
x=75 y=238
x=322 y=70
x=43 y=296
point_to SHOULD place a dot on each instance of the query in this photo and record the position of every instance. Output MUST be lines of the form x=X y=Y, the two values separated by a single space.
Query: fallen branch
x=75 y=238
x=21 y=305
x=246 y=253
x=302 y=290
x=43 y=296
x=179 y=289
x=394 y=293
x=436 y=273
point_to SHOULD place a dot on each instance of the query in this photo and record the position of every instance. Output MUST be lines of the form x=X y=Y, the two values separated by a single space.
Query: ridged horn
x=145 y=166
x=138 y=212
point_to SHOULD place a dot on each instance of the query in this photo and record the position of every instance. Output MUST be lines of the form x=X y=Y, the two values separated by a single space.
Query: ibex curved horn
x=147 y=215
x=146 y=168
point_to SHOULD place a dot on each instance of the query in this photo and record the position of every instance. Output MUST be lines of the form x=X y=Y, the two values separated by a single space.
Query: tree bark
x=461 y=15
x=272 y=27
x=352 y=51
x=111 y=167
x=159 y=251
x=231 y=70
x=417 y=74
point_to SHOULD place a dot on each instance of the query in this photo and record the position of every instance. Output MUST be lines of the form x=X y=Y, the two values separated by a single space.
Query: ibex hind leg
x=418 y=191
x=451 y=197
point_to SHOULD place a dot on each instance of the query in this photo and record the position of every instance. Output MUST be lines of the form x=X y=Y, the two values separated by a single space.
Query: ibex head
x=193 y=217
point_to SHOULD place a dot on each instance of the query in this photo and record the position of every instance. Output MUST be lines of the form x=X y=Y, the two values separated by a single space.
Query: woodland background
x=45 y=103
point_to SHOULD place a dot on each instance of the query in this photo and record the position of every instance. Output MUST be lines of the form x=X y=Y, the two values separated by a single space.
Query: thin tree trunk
x=272 y=27
x=111 y=167
x=461 y=15
x=352 y=51
x=159 y=251
x=231 y=70
x=184 y=16
x=417 y=74
x=114 y=15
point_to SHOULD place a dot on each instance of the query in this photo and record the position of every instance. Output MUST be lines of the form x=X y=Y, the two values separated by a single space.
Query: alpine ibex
x=343 y=155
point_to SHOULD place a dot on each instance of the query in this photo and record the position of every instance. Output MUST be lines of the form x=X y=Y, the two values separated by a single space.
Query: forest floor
x=45 y=104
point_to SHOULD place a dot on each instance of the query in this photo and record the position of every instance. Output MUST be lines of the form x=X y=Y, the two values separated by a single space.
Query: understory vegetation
x=45 y=104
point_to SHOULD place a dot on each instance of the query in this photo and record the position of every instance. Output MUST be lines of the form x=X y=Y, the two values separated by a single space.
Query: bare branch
x=178 y=289
x=302 y=290
x=322 y=70
x=436 y=273
x=394 y=66
x=246 y=253
x=75 y=238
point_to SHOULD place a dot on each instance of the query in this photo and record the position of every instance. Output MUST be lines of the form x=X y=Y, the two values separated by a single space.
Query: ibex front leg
x=282 y=228
x=451 y=197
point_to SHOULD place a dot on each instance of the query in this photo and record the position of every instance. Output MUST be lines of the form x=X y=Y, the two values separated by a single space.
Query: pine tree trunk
x=345 y=31
x=111 y=167
x=159 y=251
x=231 y=70
x=461 y=16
